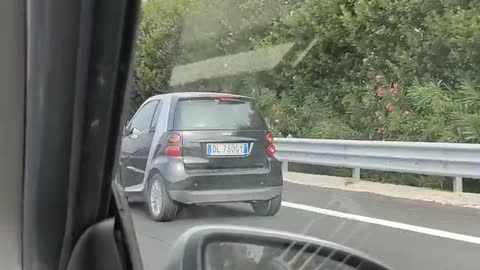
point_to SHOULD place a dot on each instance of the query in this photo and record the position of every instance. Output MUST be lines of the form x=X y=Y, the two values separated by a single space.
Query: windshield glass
x=353 y=121
x=198 y=114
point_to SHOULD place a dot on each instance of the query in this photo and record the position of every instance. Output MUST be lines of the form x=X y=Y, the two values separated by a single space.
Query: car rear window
x=217 y=114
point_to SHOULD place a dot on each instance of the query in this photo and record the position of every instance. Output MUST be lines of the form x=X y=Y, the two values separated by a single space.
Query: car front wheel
x=160 y=206
x=268 y=207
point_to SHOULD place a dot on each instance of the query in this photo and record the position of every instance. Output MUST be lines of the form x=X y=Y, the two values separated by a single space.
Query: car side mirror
x=132 y=133
x=127 y=131
x=135 y=131
x=110 y=243
x=232 y=247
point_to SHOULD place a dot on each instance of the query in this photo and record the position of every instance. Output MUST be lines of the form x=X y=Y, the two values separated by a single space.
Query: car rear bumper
x=224 y=185
x=225 y=195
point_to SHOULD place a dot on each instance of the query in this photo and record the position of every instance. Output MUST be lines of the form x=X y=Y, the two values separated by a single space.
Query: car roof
x=193 y=95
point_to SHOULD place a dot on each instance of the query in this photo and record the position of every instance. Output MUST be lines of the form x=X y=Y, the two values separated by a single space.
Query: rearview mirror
x=243 y=248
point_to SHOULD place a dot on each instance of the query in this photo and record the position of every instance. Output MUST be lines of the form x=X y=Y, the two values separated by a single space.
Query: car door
x=136 y=143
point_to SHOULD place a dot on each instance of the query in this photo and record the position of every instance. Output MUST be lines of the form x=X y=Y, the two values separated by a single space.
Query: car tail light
x=174 y=138
x=224 y=98
x=271 y=150
x=269 y=138
x=173 y=151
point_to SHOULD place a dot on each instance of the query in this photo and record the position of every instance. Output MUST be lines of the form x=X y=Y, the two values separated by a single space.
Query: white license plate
x=227 y=149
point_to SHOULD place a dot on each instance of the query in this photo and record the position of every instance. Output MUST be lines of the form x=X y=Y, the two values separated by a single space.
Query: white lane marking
x=135 y=169
x=387 y=223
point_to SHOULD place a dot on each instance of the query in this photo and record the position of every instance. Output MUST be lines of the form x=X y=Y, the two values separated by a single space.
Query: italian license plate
x=227 y=149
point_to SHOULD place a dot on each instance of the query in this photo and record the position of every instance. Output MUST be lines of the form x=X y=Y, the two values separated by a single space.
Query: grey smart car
x=196 y=148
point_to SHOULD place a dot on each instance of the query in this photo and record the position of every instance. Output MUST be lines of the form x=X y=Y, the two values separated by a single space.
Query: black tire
x=167 y=208
x=267 y=208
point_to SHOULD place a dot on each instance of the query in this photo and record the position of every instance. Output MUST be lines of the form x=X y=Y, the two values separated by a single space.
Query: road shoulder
x=469 y=200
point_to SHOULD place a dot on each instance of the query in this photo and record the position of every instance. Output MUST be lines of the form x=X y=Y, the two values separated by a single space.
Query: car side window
x=143 y=118
x=156 y=115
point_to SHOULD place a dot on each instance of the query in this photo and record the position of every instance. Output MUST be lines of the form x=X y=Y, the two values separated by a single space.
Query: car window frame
x=138 y=111
x=158 y=108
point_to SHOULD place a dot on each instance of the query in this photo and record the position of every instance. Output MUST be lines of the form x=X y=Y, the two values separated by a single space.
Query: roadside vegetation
x=399 y=70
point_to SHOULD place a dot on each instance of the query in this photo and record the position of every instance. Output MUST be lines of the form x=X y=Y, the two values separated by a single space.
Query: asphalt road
x=398 y=247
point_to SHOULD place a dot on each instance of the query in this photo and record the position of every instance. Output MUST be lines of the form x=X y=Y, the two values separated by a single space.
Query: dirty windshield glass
x=352 y=121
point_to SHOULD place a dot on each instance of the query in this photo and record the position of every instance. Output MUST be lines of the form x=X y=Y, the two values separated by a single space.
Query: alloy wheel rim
x=156 y=198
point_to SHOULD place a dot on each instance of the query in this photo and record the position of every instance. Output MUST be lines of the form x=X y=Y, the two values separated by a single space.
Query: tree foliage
x=360 y=69
x=368 y=69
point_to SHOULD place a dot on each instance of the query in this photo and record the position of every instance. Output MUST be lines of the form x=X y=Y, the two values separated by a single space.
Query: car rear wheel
x=160 y=206
x=267 y=208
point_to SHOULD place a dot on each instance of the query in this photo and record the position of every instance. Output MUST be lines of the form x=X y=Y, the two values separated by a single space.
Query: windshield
x=198 y=114
x=353 y=121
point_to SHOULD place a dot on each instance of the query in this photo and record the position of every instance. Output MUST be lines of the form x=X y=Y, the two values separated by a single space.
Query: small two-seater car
x=197 y=148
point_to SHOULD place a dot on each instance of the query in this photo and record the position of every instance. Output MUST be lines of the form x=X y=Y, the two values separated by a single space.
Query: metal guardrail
x=442 y=159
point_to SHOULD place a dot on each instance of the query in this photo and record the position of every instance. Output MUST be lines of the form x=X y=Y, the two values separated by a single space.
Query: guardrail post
x=284 y=169
x=356 y=173
x=458 y=184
